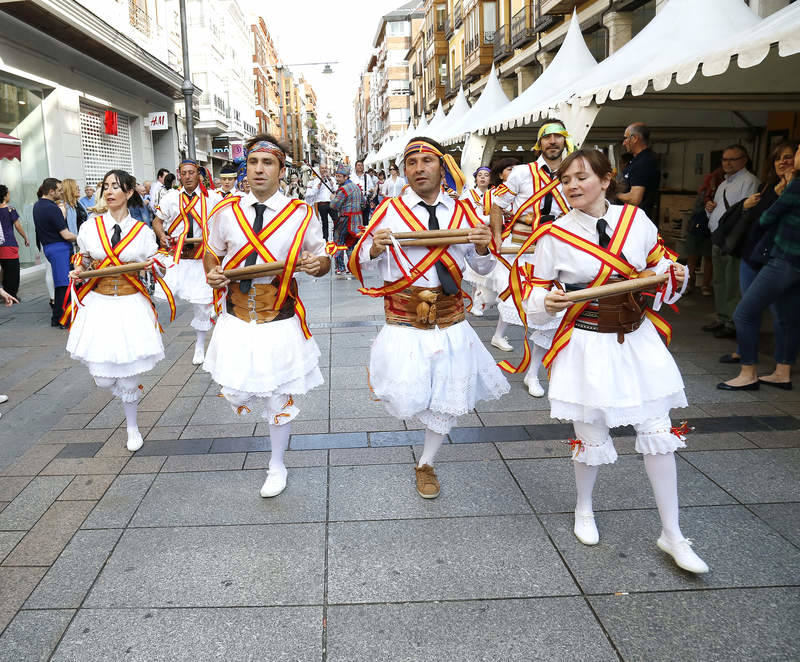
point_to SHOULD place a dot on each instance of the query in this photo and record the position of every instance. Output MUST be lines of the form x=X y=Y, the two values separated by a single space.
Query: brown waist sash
x=423 y=308
x=258 y=305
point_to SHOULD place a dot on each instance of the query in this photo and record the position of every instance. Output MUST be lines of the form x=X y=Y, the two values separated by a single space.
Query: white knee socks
x=130 y=414
x=433 y=441
x=663 y=477
x=536 y=361
x=500 y=329
x=200 y=339
x=585 y=477
x=279 y=442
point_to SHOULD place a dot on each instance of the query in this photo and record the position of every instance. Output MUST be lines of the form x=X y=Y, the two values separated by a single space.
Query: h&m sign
x=158 y=121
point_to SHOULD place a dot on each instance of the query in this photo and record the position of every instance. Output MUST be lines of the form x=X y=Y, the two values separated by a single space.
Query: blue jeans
x=777 y=284
x=340 y=236
x=746 y=277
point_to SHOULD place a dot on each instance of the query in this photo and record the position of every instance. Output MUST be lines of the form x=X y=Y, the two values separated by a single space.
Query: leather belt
x=620 y=314
x=424 y=308
x=258 y=305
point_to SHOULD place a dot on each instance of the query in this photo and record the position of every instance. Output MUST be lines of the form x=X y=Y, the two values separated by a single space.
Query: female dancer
x=609 y=367
x=115 y=331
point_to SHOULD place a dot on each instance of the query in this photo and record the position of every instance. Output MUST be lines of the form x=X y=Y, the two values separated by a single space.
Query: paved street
x=172 y=555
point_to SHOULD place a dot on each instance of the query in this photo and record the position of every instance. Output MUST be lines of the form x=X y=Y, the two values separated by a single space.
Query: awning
x=10 y=147
x=491 y=100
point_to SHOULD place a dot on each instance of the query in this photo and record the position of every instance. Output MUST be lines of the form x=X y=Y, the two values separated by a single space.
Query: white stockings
x=433 y=441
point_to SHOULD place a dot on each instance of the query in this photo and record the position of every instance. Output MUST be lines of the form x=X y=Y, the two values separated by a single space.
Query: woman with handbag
x=778 y=283
x=755 y=245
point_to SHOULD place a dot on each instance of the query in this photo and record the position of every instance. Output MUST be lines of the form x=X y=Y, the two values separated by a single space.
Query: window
x=596 y=43
x=398 y=29
x=642 y=16
x=399 y=115
x=489 y=19
x=396 y=57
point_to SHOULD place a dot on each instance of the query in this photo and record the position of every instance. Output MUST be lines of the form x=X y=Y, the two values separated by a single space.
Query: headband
x=270 y=148
x=482 y=169
x=452 y=173
x=558 y=128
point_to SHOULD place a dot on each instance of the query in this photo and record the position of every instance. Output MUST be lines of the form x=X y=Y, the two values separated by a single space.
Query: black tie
x=244 y=285
x=116 y=235
x=190 y=234
x=445 y=278
x=547 y=205
x=604 y=240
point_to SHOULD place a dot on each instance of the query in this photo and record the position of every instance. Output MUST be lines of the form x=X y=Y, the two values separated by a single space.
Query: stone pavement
x=172 y=555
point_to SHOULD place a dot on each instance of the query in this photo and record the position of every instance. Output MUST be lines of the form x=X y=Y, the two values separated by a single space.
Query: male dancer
x=261 y=348
x=427 y=362
x=530 y=206
x=227 y=176
x=185 y=212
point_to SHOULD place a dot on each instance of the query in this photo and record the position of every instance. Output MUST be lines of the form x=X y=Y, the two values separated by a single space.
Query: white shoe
x=585 y=529
x=135 y=441
x=502 y=344
x=476 y=310
x=534 y=387
x=275 y=483
x=199 y=355
x=3 y=398
x=683 y=555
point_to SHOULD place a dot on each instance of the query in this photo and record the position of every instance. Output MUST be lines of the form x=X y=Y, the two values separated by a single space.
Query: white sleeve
x=313 y=241
x=481 y=264
x=216 y=234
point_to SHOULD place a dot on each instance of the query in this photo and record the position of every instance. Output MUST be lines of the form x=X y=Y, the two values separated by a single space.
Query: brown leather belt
x=620 y=314
x=424 y=308
x=258 y=305
x=523 y=227
x=113 y=286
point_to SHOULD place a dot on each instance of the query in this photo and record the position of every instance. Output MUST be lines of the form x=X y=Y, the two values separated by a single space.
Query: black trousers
x=325 y=212
x=58 y=305
x=10 y=275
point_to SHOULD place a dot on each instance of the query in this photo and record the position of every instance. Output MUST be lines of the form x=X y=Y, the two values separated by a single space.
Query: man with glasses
x=739 y=183
x=643 y=173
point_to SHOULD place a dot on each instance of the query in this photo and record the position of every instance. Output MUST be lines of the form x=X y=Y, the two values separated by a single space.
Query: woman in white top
x=393 y=186
x=604 y=379
x=115 y=332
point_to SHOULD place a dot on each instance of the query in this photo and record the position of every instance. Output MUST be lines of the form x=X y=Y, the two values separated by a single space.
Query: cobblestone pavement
x=170 y=554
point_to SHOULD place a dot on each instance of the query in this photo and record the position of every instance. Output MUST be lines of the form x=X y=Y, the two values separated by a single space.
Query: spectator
x=167 y=185
x=322 y=190
x=74 y=211
x=698 y=238
x=622 y=184
x=9 y=251
x=393 y=186
x=56 y=240
x=294 y=189
x=88 y=199
x=778 y=283
x=643 y=175
x=367 y=184
x=157 y=186
x=376 y=199
x=739 y=183
x=141 y=212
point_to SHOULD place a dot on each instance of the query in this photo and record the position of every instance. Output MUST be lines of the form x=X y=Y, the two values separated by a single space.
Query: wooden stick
x=128 y=268
x=193 y=240
x=254 y=271
x=510 y=250
x=634 y=285
x=431 y=234
x=436 y=241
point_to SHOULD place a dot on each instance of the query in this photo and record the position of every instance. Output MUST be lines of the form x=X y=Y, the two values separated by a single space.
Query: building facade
x=266 y=81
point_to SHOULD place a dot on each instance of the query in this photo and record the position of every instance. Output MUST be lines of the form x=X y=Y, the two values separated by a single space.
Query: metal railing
x=502 y=47
x=457 y=77
x=522 y=27
x=458 y=16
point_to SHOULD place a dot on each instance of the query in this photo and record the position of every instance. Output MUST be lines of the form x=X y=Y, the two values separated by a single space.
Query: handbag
x=732 y=230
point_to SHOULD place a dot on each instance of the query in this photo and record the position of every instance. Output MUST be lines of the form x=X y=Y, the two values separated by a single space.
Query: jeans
x=340 y=236
x=777 y=284
x=746 y=277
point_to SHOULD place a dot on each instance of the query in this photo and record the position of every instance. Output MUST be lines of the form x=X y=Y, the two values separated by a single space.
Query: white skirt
x=187 y=280
x=115 y=336
x=263 y=359
x=444 y=371
x=597 y=380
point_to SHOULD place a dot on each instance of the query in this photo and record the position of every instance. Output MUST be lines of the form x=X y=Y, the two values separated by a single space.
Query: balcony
x=458 y=16
x=416 y=70
x=449 y=29
x=478 y=55
x=457 y=77
x=522 y=31
x=502 y=47
x=557 y=6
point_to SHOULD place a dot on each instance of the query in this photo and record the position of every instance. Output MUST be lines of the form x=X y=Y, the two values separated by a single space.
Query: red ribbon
x=682 y=430
x=575 y=443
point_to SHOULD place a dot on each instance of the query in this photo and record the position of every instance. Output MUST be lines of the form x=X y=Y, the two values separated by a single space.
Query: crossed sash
x=112 y=259
x=484 y=200
x=542 y=186
x=188 y=213
x=434 y=255
x=257 y=243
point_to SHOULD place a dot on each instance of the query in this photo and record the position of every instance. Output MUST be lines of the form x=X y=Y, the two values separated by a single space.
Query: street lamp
x=188 y=87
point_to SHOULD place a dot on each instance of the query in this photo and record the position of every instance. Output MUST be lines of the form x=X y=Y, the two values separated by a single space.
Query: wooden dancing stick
x=510 y=250
x=431 y=234
x=633 y=285
x=128 y=268
x=193 y=240
x=436 y=241
x=255 y=271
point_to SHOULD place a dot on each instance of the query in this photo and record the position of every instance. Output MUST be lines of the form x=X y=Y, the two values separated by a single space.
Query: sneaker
x=199 y=355
x=427 y=482
x=135 y=441
x=3 y=398
x=683 y=555
x=535 y=389
x=476 y=310
x=275 y=483
x=585 y=529
x=502 y=344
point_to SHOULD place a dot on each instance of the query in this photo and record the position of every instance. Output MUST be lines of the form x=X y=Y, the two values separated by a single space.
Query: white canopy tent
x=491 y=100
x=437 y=122
x=571 y=62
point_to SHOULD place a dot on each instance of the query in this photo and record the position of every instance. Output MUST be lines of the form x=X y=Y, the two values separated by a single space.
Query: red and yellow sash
x=482 y=201
x=257 y=243
x=462 y=211
x=189 y=212
x=112 y=259
x=542 y=186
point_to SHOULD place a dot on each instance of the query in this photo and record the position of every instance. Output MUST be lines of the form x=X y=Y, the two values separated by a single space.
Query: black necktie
x=116 y=235
x=547 y=205
x=244 y=285
x=445 y=278
x=604 y=239
x=190 y=234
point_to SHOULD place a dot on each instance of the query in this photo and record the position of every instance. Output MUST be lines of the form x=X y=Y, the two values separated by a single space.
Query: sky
x=326 y=31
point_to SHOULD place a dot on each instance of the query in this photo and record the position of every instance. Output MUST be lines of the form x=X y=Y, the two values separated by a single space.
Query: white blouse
x=143 y=246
